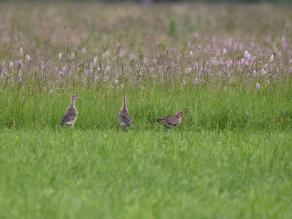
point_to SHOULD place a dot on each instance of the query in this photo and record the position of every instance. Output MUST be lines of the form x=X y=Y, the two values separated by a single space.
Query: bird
x=172 y=121
x=124 y=117
x=71 y=114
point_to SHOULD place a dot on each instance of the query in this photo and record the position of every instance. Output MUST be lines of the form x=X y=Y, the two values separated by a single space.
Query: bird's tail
x=62 y=123
x=160 y=120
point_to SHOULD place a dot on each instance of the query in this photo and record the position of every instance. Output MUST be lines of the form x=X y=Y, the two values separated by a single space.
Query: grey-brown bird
x=172 y=121
x=124 y=117
x=71 y=114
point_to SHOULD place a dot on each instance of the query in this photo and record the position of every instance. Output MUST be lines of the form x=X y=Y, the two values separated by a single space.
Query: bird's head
x=74 y=97
x=180 y=115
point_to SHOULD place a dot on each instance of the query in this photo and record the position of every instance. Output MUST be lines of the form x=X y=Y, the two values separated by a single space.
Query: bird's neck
x=73 y=103
x=124 y=108
x=179 y=117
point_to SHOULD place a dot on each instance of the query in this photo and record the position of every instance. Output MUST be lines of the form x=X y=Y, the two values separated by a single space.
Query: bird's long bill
x=184 y=117
x=124 y=101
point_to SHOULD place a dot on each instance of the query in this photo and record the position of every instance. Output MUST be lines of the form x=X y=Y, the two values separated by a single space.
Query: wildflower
x=229 y=63
x=191 y=53
x=42 y=66
x=132 y=56
x=284 y=43
x=188 y=70
x=21 y=51
x=19 y=64
x=258 y=86
x=224 y=51
x=106 y=78
x=272 y=58
x=28 y=58
x=145 y=61
x=242 y=63
x=263 y=72
x=196 y=66
x=60 y=56
x=95 y=59
x=107 y=68
x=247 y=55
x=11 y=64
x=196 y=81
x=72 y=56
x=116 y=82
x=122 y=52
x=214 y=61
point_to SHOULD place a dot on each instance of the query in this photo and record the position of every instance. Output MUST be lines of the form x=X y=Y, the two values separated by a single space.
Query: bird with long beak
x=71 y=114
x=172 y=121
x=124 y=117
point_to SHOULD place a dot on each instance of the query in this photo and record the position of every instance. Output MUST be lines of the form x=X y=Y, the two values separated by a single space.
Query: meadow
x=227 y=66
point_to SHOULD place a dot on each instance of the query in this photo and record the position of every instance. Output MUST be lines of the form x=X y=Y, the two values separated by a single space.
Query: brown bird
x=124 y=118
x=71 y=114
x=172 y=121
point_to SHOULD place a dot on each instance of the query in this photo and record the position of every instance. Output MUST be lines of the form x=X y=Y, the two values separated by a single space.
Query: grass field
x=231 y=156
x=145 y=174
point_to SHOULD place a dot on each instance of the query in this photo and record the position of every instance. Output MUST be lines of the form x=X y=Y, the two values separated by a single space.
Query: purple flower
x=229 y=63
x=247 y=55
x=284 y=43
x=258 y=86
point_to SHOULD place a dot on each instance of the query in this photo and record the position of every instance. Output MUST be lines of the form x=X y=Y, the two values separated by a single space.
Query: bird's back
x=169 y=121
x=70 y=116
x=125 y=119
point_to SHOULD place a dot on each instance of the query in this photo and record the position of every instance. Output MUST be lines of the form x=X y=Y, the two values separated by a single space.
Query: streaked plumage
x=171 y=121
x=124 y=117
x=71 y=114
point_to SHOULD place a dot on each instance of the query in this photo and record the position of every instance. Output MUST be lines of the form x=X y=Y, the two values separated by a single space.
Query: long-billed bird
x=71 y=114
x=172 y=121
x=124 y=117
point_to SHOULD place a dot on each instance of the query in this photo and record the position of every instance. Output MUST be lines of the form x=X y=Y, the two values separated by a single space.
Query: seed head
x=60 y=56
x=258 y=86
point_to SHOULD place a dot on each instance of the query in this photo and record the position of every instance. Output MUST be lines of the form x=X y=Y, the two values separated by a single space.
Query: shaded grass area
x=145 y=174
x=208 y=108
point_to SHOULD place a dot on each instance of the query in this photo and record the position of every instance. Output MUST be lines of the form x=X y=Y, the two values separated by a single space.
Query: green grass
x=231 y=158
x=211 y=108
x=145 y=174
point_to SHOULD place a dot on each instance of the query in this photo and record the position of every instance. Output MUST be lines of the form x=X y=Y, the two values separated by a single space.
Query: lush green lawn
x=145 y=174
x=231 y=158
x=206 y=107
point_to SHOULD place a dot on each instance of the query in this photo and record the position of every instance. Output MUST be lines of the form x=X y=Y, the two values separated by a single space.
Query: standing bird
x=71 y=114
x=124 y=118
x=172 y=121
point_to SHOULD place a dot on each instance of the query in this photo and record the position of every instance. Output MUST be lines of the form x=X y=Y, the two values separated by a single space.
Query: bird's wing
x=171 y=120
x=69 y=116
x=124 y=117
